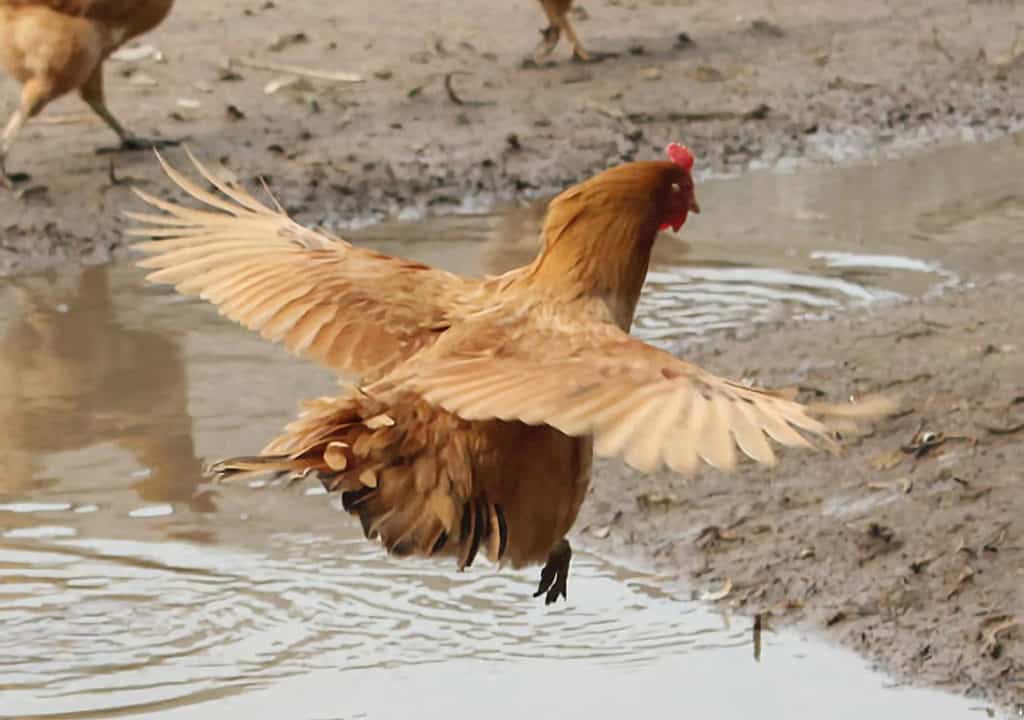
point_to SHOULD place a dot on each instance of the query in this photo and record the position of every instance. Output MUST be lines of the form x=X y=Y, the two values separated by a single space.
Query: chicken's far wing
x=356 y=311
x=639 y=402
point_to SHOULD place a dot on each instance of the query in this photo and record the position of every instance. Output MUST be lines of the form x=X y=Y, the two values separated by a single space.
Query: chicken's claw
x=583 y=56
x=549 y=37
x=131 y=144
x=554 y=576
x=7 y=181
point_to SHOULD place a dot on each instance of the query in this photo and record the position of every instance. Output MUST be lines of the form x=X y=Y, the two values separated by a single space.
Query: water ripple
x=161 y=618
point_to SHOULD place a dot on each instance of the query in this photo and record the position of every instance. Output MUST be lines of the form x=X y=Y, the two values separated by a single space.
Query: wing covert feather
x=639 y=402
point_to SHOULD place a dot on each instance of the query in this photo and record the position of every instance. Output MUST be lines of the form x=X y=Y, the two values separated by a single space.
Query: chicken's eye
x=675 y=187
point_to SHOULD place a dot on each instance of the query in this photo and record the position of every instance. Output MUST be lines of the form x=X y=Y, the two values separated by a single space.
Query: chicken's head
x=682 y=199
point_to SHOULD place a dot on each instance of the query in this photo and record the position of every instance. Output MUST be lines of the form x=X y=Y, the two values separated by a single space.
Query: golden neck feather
x=597 y=243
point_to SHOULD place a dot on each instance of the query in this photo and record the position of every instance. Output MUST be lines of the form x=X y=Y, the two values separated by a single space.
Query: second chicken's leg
x=34 y=95
x=548 y=41
x=13 y=126
x=92 y=93
x=577 y=47
x=558 y=23
x=554 y=576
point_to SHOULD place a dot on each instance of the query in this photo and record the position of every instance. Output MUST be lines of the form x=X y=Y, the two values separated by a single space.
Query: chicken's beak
x=694 y=207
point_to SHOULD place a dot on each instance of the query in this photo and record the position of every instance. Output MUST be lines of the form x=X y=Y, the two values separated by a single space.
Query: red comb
x=680 y=155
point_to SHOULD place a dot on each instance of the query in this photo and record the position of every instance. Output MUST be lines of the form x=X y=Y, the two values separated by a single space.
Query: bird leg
x=558 y=23
x=578 y=53
x=555 y=574
x=5 y=180
x=92 y=93
x=10 y=132
x=548 y=41
x=34 y=95
x=551 y=34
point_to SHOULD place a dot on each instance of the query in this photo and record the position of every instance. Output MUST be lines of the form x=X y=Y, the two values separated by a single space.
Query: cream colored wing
x=356 y=311
x=638 y=402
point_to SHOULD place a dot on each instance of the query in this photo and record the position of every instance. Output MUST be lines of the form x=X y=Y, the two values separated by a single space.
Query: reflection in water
x=70 y=378
x=126 y=591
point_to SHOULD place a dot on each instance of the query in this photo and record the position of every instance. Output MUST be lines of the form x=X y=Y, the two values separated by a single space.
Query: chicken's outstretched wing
x=356 y=311
x=639 y=402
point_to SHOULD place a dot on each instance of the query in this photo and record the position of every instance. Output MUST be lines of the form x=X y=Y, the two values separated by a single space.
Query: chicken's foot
x=130 y=143
x=5 y=144
x=92 y=93
x=5 y=179
x=549 y=37
x=33 y=98
x=578 y=53
x=555 y=574
x=558 y=23
x=584 y=56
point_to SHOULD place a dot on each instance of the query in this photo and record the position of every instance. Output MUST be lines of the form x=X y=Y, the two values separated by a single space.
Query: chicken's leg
x=549 y=35
x=34 y=95
x=92 y=92
x=577 y=47
x=554 y=576
x=558 y=23
x=10 y=132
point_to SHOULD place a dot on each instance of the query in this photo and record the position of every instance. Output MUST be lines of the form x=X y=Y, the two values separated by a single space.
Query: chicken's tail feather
x=402 y=492
x=245 y=467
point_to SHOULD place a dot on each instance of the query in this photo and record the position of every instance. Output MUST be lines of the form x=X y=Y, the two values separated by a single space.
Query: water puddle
x=130 y=589
x=316 y=625
x=770 y=246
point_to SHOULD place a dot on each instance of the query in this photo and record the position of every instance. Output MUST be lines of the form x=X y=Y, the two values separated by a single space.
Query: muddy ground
x=742 y=82
x=910 y=546
x=915 y=559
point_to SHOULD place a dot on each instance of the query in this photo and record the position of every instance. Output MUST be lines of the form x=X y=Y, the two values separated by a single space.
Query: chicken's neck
x=607 y=263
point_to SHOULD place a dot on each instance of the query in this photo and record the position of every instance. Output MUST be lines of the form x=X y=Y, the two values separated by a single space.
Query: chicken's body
x=53 y=47
x=427 y=482
x=413 y=471
x=480 y=402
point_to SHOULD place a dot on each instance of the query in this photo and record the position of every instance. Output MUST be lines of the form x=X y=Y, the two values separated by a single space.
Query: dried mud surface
x=915 y=560
x=743 y=83
x=909 y=547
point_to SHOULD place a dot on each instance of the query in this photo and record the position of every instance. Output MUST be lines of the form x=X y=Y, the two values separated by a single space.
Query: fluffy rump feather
x=405 y=472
